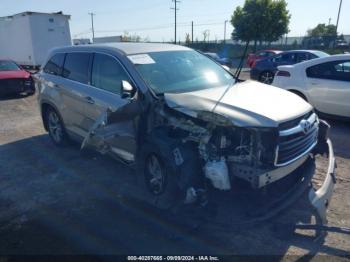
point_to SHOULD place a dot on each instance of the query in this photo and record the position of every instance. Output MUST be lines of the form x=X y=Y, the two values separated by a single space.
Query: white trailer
x=26 y=38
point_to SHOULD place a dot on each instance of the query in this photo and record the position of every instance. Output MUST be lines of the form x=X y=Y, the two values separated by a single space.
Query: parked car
x=264 y=70
x=182 y=120
x=341 y=44
x=221 y=60
x=14 y=80
x=253 y=58
x=323 y=82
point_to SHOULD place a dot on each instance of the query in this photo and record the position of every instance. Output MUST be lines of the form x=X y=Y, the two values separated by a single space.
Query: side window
x=263 y=54
x=76 y=67
x=338 y=70
x=301 y=57
x=54 y=65
x=107 y=73
x=290 y=57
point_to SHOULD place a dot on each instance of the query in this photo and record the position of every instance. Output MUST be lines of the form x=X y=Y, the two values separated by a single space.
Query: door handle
x=89 y=100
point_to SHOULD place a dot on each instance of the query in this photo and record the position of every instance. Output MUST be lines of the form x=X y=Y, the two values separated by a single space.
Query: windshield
x=180 y=71
x=8 y=66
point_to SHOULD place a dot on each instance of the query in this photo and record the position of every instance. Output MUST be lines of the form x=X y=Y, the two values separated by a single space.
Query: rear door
x=330 y=87
x=283 y=59
x=107 y=74
x=74 y=91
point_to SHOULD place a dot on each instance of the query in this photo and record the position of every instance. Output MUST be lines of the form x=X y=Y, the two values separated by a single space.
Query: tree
x=260 y=20
x=188 y=39
x=323 y=30
x=327 y=33
x=126 y=37
x=205 y=35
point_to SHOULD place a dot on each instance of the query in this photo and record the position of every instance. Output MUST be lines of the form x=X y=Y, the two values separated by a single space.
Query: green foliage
x=323 y=30
x=324 y=33
x=260 y=20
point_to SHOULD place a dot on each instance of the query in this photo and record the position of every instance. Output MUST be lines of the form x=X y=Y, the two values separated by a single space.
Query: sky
x=154 y=20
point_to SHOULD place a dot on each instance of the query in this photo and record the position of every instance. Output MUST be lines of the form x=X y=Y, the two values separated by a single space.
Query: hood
x=246 y=104
x=14 y=74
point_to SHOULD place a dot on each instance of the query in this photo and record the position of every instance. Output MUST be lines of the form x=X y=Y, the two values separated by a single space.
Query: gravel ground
x=60 y=201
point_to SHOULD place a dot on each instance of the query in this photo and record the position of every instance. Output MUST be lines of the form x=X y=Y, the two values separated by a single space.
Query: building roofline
x=36 y=13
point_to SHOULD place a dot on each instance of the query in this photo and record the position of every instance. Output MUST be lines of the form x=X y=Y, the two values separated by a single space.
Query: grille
x=294 y=122
x=13 y=84
x=297 y=141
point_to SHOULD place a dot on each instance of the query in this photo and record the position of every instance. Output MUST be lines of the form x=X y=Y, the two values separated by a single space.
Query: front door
x=105 y=101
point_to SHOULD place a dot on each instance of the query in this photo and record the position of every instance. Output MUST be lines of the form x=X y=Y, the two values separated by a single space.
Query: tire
x=266 y=77
x=55 y=127
x=157 y=179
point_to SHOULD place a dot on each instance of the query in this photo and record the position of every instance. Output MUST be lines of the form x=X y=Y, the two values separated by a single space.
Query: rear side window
x=337 y=70
x=54 y=65
x=76 y=67
x=107 y=73
x=301 y=57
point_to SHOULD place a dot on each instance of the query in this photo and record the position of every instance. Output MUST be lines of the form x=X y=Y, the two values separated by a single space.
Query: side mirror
x=127 y=90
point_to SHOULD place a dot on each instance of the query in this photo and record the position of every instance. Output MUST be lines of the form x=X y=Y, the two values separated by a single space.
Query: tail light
x=283 y=73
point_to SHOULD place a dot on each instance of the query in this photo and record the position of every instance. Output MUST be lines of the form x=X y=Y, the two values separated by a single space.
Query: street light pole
x=92 y=26
x=340 y=5
x=225 y=31
x=175 y=10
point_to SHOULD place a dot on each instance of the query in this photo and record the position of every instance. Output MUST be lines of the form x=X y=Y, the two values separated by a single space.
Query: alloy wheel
x=267 y=78
x=55 y=127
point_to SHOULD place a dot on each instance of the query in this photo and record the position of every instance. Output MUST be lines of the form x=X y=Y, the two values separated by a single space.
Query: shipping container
x=27 y=37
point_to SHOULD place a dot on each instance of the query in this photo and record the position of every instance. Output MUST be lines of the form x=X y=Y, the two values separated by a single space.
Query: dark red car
x=14 y=79
x=253 y=58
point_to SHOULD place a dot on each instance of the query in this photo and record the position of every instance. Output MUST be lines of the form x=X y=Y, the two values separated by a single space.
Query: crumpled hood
x=246 y=104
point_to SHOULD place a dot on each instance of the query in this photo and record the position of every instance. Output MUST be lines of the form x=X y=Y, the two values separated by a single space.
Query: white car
x=323 y=82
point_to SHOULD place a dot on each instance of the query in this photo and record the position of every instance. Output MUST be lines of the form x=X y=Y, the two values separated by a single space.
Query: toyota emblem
x=305 y=125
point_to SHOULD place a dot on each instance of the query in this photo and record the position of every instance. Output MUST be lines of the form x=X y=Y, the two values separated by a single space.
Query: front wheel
x=157 y=179
x=266 y=77
x=56 y=127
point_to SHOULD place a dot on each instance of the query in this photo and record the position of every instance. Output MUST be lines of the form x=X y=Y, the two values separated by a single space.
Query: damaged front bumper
x=320 y=198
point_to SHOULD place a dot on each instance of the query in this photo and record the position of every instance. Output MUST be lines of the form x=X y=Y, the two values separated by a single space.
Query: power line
x=92 y=26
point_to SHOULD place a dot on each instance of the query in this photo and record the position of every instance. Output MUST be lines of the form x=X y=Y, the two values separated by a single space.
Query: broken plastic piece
x=217 y=173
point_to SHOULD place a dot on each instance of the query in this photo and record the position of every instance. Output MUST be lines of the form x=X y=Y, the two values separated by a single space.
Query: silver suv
x=182 y=119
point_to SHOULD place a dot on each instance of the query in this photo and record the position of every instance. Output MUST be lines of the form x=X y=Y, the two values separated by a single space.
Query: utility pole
x=175 y=10
x=92 y=26
x=329 y=21
x=340 y=5
x=225 y=32
x=192 y=32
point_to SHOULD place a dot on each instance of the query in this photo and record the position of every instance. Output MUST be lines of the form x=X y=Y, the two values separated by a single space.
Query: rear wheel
x=266 y=77
x=55 y=127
